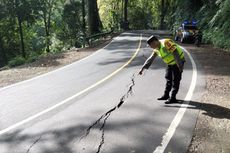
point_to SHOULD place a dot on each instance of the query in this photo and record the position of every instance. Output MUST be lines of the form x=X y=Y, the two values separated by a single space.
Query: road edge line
x=172 y=128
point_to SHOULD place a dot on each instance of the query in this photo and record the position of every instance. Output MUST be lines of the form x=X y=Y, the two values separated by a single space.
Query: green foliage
x=16 y=61
x=213 y=19
x=140 y=16
x=53 y=25
x=219 y=25
x=111 y=13
x=19 y=60
x=71 y=23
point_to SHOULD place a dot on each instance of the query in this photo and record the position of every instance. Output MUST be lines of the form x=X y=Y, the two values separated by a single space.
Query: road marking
x=48 y=73
x=172 y=128
x=72 y=97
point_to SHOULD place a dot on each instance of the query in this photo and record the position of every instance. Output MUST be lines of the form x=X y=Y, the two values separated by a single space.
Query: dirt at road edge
x=212 y=131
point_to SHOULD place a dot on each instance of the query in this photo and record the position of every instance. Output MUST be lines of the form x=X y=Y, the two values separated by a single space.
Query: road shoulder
x=212 y=130
x=48 y=63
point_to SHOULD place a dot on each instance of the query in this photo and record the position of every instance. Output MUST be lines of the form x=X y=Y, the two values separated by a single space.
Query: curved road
x=100 y=104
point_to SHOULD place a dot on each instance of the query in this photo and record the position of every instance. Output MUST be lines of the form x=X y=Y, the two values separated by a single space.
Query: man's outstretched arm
x=148 y=62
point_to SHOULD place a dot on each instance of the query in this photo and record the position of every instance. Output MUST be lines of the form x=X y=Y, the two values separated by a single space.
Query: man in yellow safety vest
x=173 y=55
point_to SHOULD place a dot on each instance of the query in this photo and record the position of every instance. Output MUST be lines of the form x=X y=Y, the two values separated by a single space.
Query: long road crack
x=33 y=144
x=102 y=135
x=106 y=115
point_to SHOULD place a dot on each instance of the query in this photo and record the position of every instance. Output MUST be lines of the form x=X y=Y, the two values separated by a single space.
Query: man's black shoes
x=168 y=99
x=164 y=97
x=171 y=101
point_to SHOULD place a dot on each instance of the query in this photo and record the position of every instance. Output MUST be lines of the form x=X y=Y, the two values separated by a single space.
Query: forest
x=33 y=28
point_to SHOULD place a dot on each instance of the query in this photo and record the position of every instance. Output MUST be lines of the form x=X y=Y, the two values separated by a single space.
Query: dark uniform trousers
x=173 y=77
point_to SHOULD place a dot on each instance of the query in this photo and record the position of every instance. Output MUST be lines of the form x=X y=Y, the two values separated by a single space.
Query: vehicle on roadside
x=188 y=32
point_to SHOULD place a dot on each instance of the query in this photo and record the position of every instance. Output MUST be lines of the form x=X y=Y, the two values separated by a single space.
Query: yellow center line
x=116 y=71
x=72 y=97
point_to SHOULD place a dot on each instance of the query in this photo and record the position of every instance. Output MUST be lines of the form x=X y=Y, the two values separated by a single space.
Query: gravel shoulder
x=212 y=131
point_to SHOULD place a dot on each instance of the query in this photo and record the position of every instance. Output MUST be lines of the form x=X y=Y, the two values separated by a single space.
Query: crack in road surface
x=106 y=115
x=35 y=142
x=102 y=135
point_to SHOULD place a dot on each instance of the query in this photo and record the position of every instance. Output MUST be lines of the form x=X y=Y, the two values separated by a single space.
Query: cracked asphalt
x=120 y=115
x=105 y=116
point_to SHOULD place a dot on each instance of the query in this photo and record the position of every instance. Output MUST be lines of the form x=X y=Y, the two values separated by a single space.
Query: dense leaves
x=212 y=16
x=29 y=28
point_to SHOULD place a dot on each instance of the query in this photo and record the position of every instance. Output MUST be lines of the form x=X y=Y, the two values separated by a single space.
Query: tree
x=94 y=21
x=3 y=57
x=126 y=23
x=83 y=21
x=71 y=16
x=111 y=12
x=46 y=10
x=21 y=10
x=162 y=14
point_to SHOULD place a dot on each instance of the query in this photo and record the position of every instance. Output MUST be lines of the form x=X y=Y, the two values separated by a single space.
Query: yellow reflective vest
x=166 y=51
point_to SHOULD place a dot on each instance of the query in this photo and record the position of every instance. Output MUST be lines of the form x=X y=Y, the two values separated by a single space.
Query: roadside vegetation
x=30 y=29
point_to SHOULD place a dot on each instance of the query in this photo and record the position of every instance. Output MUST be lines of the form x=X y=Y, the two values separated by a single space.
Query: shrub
x=17 y=61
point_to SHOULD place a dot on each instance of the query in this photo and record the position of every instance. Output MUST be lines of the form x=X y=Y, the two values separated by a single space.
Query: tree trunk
x=93 y=17
x=20 y=28
x=126 y=23
x=47 y=23
x=122 y=9
x=126 y=10
x=162 y=16
x=83 y=22
x=48 y=28
x=3 y=57
x=21 y=37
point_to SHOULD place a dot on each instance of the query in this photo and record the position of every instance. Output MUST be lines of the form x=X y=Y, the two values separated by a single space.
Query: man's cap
x=151 y=39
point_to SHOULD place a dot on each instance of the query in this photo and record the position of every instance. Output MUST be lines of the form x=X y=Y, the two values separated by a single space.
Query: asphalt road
x=100 y=104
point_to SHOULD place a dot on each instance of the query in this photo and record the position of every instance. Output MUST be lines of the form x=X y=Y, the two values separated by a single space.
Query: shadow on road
x=66 y=140
x=211 y=110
